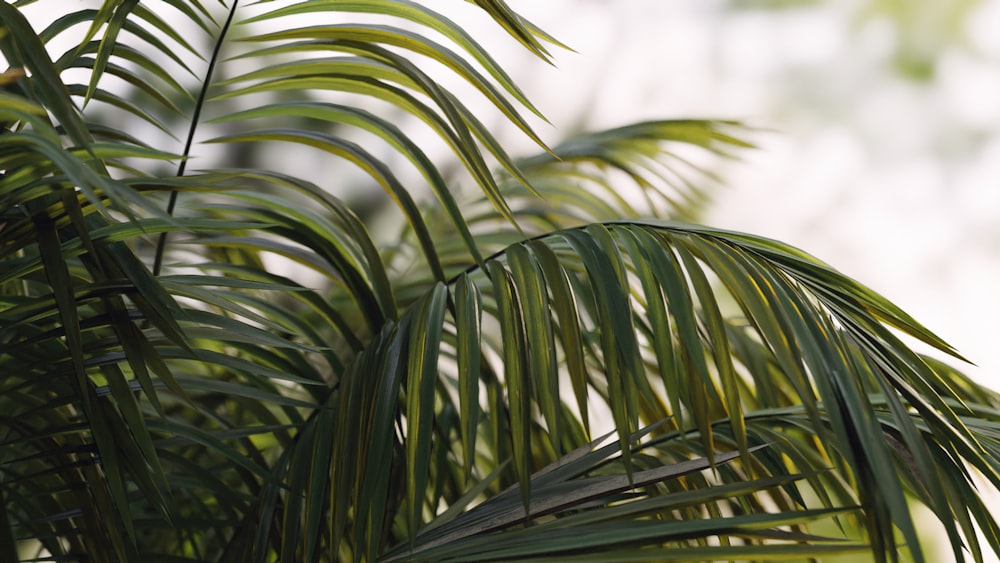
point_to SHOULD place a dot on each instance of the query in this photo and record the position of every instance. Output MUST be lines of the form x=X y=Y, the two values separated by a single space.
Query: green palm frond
x=822 y=349
x=580 y=173
x=206 y=356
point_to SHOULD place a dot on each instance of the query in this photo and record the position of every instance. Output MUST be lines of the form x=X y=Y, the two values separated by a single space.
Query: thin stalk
x=161 y=243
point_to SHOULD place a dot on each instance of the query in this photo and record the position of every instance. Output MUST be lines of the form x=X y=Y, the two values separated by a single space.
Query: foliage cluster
x=172 y=390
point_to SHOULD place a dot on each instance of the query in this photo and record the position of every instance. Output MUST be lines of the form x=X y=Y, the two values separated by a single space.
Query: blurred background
x=880 y=144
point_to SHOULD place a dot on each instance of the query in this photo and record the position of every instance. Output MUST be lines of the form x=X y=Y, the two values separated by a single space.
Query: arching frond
x=803 y=362
x=799 y=378
x=590 y=172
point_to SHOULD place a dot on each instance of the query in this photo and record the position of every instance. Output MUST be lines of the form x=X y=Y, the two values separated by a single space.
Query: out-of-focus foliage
x=922 y=30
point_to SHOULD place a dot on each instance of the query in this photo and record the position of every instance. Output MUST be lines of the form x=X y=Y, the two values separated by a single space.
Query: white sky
x=895 y=182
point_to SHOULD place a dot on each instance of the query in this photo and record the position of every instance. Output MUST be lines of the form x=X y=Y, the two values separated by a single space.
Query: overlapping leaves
x=427 y=397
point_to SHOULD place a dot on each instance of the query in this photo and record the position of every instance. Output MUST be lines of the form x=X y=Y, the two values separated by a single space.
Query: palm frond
x=855 y=380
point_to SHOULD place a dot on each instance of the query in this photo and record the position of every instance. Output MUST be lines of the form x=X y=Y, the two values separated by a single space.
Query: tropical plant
x=207 y=355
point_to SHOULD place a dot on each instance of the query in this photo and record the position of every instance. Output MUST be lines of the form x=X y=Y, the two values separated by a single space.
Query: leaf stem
x=161 y=243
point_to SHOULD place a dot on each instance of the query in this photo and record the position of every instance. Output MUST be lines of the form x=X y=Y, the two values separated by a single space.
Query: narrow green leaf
x=733 y=552
x=377 y=169
x=516 y=374
x=533 y=299
x=357 y=38
x=108 y=43
x=564 y=304
x=468 y=327
x=377 y=485
x=164 y=28
x=418 y=14
x=827 y=283
x=700 y=392
x=616 y=331
x=501 y=514
x=24 y=48
x=587 y=538
x=386 y=130
x=656 y=316
x=299 y=482
x=718 y=341
x=206 y=439
x=422 y=374
x=455 y=131
x=319 y=463
x=519 y=28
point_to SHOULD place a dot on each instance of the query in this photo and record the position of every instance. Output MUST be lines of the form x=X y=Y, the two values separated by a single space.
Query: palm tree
x=453 y=354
